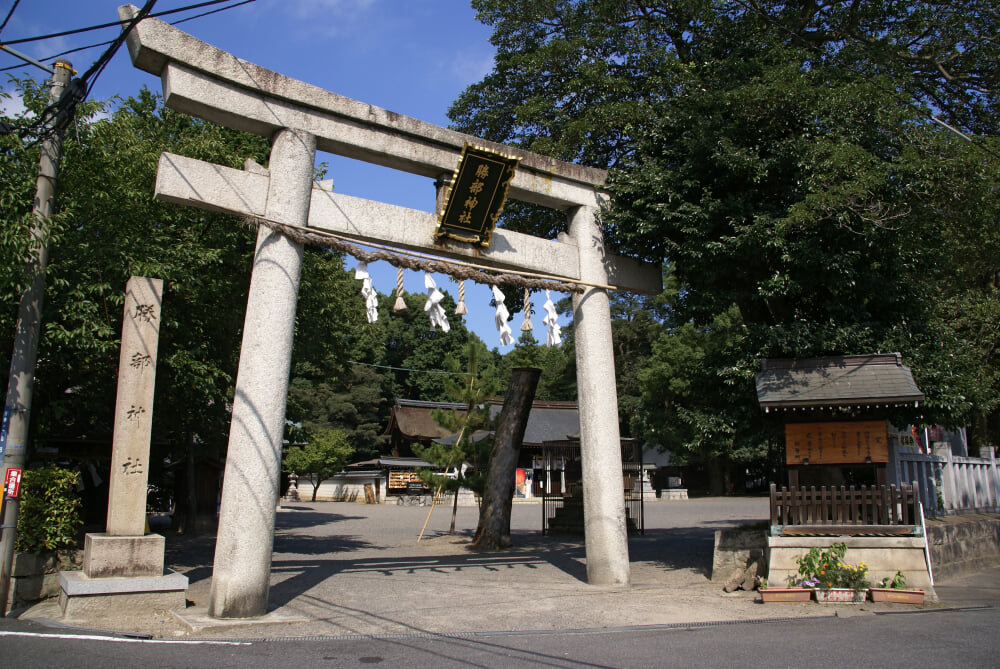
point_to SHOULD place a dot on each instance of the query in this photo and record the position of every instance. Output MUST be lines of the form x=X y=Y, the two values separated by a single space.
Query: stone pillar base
x=81 y=596
x=673 y=493
x=106 y=556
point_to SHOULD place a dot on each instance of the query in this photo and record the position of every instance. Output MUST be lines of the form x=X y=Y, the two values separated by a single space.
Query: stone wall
x=736 y=550
x=962 y=544
x=36 y=576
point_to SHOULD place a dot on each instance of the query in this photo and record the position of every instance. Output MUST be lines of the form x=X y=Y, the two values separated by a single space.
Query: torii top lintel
x=208 y=82
x=204 y=81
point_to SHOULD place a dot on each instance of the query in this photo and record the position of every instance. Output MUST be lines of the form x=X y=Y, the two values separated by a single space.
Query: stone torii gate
x=204 y=81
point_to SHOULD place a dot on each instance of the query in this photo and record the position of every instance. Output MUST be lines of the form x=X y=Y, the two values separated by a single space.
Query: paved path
x=342 y=569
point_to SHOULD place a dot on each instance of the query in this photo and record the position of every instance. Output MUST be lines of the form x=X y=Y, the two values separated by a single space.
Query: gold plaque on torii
x=476 y=196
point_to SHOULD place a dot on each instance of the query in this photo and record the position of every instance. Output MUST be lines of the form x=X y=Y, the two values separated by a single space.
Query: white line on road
x=97 y=637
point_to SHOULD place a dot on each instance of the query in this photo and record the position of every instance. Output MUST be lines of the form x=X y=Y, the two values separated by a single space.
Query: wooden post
x=493 y=531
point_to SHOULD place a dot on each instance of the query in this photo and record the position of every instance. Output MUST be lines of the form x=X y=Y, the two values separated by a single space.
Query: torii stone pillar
x=202 y=80
x=600 y=439
x=240 y=578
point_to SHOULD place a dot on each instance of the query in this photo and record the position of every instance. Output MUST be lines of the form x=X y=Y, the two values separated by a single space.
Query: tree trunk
x=316 y=483
x=493 y=531
x=716 y=477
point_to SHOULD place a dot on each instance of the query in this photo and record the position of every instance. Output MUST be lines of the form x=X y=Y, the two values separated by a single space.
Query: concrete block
x=81 y=597
x=884 y=556
x=77 y=583
x=105 y=556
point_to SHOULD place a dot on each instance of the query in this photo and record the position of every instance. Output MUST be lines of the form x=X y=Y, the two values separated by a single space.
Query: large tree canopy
x=108 y=228
x=788 y=163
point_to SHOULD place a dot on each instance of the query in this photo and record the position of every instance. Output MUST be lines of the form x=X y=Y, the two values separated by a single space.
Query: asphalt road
x=943 y=638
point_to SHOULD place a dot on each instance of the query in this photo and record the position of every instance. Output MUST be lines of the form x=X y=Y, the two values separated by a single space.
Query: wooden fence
x=875 y=510
x=951 y=484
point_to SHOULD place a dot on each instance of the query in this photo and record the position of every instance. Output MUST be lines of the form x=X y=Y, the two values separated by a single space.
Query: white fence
x=951 y=484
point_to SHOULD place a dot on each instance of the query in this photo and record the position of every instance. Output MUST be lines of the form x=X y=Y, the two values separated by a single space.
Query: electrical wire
x=406 y=369
x=9 y=14
x=214 y=11
x=116 y=24
x=59 y=55
x=97 y=68
x=152 y=15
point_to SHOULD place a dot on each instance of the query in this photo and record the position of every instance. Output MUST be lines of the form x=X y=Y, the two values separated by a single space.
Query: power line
x=405 y=369
x=60 y=54
x=9 y=14
x=102 y=62
x=111 y=41
x=214 y=11
x=116 y=24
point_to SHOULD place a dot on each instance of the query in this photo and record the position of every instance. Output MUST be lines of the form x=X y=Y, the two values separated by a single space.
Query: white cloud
x=327 y=17
x=11 y=105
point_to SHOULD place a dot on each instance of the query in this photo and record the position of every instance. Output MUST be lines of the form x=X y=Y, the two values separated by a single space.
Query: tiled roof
x=413 y=419
x=840 y=381
x=548 y=421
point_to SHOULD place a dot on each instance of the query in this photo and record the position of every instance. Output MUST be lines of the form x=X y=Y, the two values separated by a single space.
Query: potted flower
x=780 y=594
x=894 y=590
x=832 y=579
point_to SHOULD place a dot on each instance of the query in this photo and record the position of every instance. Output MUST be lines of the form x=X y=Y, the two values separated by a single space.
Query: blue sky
x=412 y=57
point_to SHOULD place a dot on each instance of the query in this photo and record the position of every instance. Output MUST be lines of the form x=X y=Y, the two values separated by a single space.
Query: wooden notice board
x=841 y=443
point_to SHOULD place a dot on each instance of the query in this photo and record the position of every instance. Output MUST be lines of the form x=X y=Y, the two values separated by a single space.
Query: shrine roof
x=413 y=419
x=548 y=421
x=836 y=381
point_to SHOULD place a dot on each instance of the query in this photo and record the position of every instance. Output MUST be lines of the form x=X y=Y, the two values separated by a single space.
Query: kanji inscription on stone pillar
x=134 y=408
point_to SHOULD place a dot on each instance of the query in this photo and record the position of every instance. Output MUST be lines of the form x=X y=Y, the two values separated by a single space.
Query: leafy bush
x=49 y=515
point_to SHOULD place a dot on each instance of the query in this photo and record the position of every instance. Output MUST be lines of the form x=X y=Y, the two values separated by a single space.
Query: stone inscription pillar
x=134 y=408
x=600 y=440
x=241 y=573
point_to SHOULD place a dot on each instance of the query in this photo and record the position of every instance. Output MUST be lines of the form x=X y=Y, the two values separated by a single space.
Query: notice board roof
x=836 y=381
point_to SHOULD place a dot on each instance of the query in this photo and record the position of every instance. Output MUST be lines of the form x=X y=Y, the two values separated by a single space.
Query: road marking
x=97 y=637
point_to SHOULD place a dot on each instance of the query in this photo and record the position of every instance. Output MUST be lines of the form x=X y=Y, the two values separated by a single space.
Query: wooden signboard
x=841 y=443
x=403 y=479
x=477 y=195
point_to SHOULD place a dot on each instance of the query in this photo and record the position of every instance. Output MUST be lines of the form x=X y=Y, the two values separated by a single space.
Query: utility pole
x=17 y=409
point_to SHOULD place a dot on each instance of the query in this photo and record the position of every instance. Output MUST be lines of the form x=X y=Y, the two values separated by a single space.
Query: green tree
x=558 y=379
x=417 y=351
x=782 y=162
x=473 y=382
x=324 y=454
x=109 y=228
x=331 y=385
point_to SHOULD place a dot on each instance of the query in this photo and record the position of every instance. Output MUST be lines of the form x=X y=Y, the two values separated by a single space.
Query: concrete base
x=82 y=596
x=673 y=493
x=107 y=556
x=198 y=620
x=883 y=555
